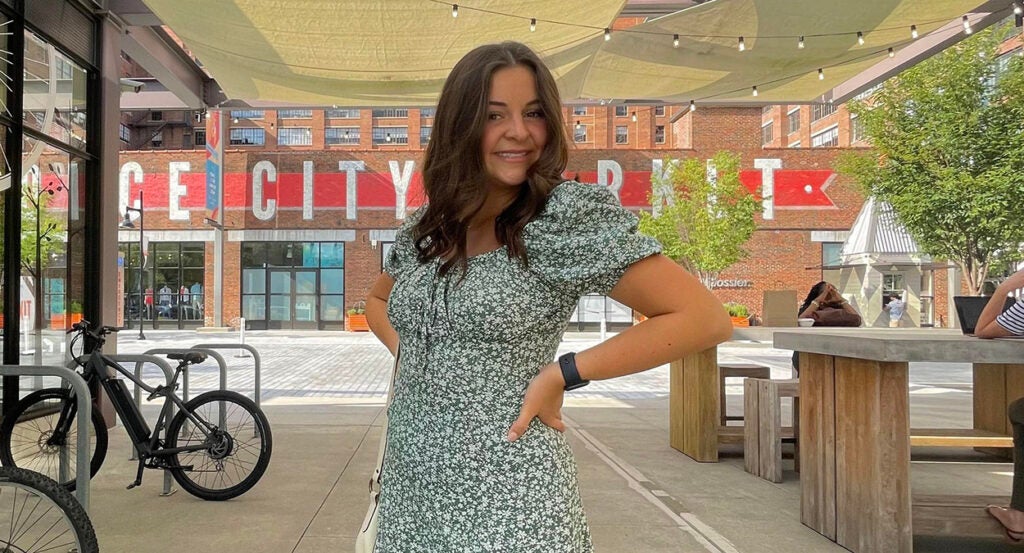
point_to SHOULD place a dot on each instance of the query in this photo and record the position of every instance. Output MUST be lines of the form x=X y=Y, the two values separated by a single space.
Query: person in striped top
x=993 y=324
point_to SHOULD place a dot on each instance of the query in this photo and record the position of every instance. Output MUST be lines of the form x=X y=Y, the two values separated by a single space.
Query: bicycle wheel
x=26 y=429
x=236 y=454
x=36 y=515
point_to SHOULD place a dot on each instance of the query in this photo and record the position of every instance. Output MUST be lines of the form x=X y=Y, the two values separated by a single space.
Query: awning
x=398 y=52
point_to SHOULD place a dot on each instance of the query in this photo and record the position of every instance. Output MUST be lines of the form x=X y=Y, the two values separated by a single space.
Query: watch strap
x=570 y=373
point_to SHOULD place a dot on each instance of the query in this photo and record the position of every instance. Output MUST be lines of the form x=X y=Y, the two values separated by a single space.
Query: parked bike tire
x=37 y=514
x=24 y=430
x=244 y=449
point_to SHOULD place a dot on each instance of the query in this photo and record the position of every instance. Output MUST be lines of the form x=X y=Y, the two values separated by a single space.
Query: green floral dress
x=451 y=482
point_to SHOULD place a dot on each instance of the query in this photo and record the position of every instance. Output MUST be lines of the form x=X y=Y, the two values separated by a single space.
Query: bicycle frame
x=147 y=442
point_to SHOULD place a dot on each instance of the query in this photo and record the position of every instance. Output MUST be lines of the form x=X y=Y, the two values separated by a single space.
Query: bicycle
x=222 y=432
x=37 y=514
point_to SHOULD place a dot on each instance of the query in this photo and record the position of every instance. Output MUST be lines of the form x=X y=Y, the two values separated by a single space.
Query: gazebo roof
x=878 y=238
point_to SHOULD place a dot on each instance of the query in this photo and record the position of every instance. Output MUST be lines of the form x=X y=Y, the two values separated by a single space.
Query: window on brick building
x=819 y=111
x=621 y=111
x=827 y=138
x=425 y=134
x=579 y=133
x=390 y=135
x=294 y=113
x=831 y=259
x=156 y=116
x=341 y=135
x=428 y=112
x=621 y=134
x=659 y=134
x=659 y=111
x=767 y=130
x=200 y=136
x=247 y=137
x=126 y=133
x=794 y=120
x=343 y=113
x=186 y=141
x=579 y=110
x=295 y=136
x=247 y=114
x=157 y=140
x=856 y=129
x=391 y=113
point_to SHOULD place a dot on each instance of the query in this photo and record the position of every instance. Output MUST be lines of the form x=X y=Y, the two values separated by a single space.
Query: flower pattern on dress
x=451 y=481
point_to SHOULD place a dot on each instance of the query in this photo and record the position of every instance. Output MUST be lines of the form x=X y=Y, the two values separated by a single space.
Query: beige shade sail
x=398 y=52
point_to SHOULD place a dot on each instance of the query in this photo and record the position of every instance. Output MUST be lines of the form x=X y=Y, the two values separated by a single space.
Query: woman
x=825 y=296
x=478 y=290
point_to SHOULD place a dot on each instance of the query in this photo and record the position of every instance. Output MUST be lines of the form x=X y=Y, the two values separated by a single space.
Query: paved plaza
x=324 y=393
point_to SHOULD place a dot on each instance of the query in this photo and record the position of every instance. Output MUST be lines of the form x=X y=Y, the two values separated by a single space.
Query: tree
x=705 y=221
x=948 y=139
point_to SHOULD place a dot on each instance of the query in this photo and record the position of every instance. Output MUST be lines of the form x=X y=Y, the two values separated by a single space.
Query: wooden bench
x=763 y=431
x=958 y=437
x=956 y=515
x=737 y=370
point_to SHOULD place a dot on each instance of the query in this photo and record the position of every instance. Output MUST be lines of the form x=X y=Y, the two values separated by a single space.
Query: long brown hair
x=454 y=177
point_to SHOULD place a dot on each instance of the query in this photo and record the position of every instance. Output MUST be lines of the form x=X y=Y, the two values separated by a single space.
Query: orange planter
x=356 y=323
x=76 y=318
x=740 y=321
x=57 y=321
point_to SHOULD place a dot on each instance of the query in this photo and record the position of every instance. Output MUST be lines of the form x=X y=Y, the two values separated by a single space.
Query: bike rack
x=84 y=401
x=221 y=363
x=141 y=359
x=255 y=355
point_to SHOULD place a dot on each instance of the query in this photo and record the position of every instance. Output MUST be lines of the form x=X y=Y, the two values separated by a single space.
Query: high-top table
x=855 y=434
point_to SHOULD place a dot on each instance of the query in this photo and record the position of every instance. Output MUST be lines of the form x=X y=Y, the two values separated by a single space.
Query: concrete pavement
x=324 y=392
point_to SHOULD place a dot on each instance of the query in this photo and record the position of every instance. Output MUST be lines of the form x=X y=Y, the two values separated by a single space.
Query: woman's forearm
x=654 y=342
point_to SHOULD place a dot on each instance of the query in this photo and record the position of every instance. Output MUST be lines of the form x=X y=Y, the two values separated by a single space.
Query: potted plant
x=75 y=308
x=355 y=319
x=739 y=313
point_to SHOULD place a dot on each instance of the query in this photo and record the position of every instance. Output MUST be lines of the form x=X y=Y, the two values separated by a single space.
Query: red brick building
x=299 y=248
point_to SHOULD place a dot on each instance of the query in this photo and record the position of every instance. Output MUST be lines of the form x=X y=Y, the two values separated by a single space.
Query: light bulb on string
x=633 y=117
x=800 y=43
x=693 y=106
x=967 y=25
x=607 y=33
x=675 y=41
x=860 y=38
x=754 y=90
x=892 y=53
x=455 y=10
x=821 y=74
x=742 y=45
x=533 y=24
x=578 y=125
x=1018 y=9
x=913 y=32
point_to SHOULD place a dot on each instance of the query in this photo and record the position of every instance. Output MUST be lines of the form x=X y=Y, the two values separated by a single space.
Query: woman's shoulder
x=570 y=203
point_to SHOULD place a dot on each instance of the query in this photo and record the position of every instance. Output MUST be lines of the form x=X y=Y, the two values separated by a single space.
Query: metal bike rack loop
x=140 y=360
x=255 y=355
x=84 y=402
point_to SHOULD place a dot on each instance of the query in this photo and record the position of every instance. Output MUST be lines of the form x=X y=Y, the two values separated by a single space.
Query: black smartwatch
x=570 y=373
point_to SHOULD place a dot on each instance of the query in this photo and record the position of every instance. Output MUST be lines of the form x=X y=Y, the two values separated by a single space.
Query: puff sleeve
x=402 y=256
x=584 y=240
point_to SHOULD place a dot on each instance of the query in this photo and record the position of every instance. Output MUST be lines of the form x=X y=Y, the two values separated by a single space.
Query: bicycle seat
x=190 y=357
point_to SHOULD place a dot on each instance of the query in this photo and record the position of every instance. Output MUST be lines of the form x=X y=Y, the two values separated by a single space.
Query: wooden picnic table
x=855 y=433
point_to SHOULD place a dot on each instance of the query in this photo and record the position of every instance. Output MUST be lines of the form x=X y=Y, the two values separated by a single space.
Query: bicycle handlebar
x=83 y=326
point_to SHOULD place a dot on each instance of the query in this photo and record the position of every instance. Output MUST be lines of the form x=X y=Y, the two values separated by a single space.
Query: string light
x=1018 y=9
x=633 y=117
x=892 y=52
x=675 y=41
x=821 y=74
x=860 y=38
x=607 y=33
x=455 y=10
x=742 y=45
x=913 y=32
x=578 y=125
x=693 y=106
x=967 y=26
x=800 y=43
x=754 y=90
x=533 y=25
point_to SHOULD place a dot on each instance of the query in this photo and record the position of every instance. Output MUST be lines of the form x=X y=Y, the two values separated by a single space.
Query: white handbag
x=367 y=536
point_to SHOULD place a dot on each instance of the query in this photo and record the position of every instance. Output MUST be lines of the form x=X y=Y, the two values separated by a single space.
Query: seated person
x=825 y=296
x=994 y=324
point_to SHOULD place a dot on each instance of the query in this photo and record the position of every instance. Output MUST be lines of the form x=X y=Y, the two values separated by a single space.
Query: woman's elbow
x=721 y=327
